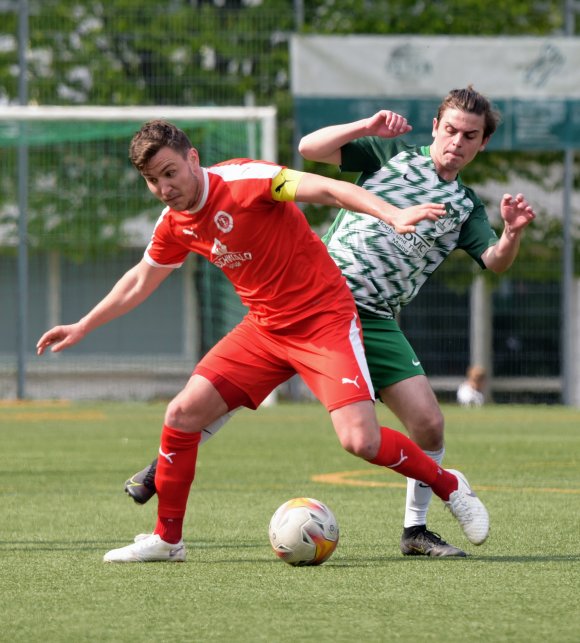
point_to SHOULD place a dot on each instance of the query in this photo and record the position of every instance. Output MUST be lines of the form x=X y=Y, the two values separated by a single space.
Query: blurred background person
x=471 y=392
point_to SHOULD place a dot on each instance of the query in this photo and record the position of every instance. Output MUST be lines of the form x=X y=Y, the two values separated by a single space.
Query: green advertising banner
x=533 y=82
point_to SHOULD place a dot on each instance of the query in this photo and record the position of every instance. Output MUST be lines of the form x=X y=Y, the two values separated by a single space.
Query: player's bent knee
x=178 y=417
x=428 y=433
x=360 y=446
x=196 y=406
x=357 y=429
x=173 y=417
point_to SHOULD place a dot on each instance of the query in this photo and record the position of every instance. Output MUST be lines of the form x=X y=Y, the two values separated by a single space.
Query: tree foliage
x=435 y=17
x=216 y=52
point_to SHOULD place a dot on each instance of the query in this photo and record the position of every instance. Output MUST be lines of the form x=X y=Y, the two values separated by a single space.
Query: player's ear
x=484 y=143
x=193 y=157
x=435 y=126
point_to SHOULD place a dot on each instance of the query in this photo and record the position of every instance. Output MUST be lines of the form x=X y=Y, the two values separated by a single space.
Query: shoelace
x=431 y=536
x=428 y=535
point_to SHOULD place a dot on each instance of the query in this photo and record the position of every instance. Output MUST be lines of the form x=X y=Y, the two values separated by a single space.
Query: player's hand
x=59 y=337
x=516 y=212
x=387 y=124
x=406 y=219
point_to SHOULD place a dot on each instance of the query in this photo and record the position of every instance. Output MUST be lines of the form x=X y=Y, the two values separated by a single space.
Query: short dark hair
x=470 y=101
x=153 y=136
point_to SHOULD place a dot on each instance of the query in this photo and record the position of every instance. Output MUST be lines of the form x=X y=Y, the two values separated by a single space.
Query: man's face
x=457 y=138
x=174 y=180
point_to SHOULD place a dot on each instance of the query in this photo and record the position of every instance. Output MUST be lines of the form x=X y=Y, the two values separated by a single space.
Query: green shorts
x=390 y=357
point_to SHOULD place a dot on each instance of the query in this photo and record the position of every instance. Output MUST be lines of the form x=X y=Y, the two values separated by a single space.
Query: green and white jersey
x=385 y=270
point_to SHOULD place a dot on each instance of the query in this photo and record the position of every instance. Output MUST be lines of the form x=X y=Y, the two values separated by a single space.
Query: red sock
x=399 y=453
x=173 y=478
x=169 y=529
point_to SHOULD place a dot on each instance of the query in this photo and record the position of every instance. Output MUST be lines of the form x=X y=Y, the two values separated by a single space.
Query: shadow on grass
x=87 y=545
x=94 y=545
x=367 y=562
x=389 y=560
x=54 y=545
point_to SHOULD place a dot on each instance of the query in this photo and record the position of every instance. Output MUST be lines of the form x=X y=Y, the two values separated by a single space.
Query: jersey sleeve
x=476 y=234
x=163 y=251
x=368 y=154
x=285 y=184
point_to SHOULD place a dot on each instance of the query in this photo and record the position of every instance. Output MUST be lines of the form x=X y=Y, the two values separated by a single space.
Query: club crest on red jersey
x=224 y=221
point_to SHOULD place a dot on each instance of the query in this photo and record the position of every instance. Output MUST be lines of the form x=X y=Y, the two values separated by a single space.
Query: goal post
x=265 y=148
x=74 y=215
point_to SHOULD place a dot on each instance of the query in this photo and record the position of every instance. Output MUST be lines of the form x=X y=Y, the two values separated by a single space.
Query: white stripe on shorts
x=359 y=352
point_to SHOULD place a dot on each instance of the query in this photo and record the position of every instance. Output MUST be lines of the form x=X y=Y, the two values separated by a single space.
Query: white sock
x=419 y=496
x=215 y=426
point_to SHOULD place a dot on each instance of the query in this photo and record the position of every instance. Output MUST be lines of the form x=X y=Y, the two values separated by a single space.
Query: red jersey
x=278 y=266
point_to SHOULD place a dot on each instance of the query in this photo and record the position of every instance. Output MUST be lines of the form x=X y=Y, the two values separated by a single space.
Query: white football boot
x=148 y=549
x=469 y=510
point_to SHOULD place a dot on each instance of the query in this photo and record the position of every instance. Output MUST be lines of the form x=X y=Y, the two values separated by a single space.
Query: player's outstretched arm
x=131 y=289
x=324 y=145
x=313 y=188
x=516 y=214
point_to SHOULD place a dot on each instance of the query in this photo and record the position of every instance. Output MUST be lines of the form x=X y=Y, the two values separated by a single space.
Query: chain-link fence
x=202 y=53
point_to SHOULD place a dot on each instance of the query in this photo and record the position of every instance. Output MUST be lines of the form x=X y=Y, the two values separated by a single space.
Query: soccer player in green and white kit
x=385 y=270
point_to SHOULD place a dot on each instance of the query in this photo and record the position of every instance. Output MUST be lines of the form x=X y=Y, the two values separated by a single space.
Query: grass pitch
x=61 y=477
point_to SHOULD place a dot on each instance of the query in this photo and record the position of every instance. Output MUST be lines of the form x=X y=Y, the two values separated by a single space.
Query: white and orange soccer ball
x=303 y=531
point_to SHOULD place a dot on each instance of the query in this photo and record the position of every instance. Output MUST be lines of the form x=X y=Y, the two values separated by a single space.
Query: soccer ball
x=303 y=531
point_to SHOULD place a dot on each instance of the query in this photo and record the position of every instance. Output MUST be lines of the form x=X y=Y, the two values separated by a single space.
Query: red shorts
x=326 y=351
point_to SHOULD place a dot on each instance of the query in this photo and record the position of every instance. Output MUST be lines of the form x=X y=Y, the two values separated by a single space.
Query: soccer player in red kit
x=241 y=216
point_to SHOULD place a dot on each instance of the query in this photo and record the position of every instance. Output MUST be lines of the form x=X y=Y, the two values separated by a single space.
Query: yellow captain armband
x=285 y=184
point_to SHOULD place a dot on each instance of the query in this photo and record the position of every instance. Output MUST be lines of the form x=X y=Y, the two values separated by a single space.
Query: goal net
x=88 y=217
